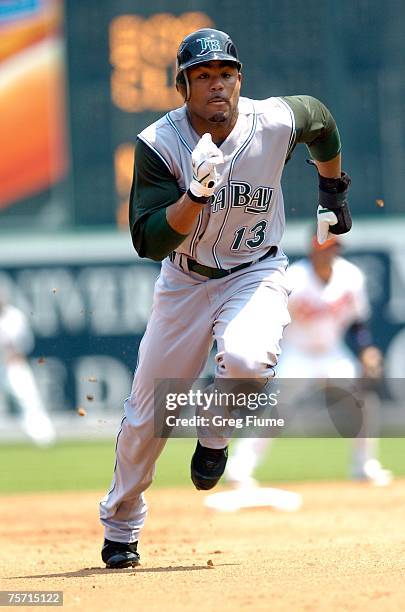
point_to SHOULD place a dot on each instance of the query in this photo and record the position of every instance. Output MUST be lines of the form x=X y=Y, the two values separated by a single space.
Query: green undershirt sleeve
x=154 y=188
x=314 y=126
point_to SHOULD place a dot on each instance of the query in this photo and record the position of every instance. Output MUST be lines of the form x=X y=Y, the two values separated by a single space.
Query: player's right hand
x=205 y=158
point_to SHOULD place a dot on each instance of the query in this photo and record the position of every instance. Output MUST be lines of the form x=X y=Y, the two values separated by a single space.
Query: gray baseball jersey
x=246 y=214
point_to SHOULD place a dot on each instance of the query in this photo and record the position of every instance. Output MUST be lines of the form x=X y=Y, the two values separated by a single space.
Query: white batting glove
x=325 y=219
x=205 y=157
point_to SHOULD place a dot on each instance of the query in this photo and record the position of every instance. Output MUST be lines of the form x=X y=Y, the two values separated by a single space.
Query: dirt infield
x=344 y=550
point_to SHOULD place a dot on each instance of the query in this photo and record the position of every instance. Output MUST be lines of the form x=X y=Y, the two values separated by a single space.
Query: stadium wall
x=88 y=298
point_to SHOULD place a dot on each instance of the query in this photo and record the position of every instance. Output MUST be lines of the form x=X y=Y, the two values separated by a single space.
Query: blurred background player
x=17 y=382
x=328 y=301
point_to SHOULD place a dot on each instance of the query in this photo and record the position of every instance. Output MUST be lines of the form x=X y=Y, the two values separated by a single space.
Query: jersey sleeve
x=154 y=188
x=315 y=127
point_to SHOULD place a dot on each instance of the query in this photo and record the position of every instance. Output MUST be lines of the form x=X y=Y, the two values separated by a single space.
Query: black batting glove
x=332 y=198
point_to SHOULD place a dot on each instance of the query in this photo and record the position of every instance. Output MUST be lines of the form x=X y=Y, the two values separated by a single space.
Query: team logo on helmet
x=208 y=45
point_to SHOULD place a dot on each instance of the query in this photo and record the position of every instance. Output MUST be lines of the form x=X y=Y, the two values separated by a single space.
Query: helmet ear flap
x=180 y=81
x=182 y=85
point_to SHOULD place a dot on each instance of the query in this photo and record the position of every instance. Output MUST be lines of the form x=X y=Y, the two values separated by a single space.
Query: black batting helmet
x=202 y=46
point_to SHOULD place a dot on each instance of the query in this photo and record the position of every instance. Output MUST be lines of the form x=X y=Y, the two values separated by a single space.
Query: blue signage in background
x=14 y=9
x=88 y=318
x=87 y=321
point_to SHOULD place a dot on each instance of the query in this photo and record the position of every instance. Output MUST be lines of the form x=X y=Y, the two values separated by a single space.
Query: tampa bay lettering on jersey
x=242 y=195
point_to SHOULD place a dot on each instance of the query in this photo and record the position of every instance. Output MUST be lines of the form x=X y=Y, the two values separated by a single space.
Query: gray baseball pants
x=244 y=312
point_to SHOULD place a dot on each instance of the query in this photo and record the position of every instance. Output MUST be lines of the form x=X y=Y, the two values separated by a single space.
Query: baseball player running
x=207 y=201
x=17 y=381
x=328 y=300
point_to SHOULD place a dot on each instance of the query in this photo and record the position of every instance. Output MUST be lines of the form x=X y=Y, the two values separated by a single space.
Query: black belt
x=194 y=266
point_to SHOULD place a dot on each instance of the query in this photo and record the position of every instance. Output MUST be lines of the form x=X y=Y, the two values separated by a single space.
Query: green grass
x=89 y=465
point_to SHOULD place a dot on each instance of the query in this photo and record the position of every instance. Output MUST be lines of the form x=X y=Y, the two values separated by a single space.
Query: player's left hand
x=333 y=207
x=325 y=220
x=333 y=213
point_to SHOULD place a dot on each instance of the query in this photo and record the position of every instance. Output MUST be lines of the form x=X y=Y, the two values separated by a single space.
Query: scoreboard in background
x=351 y=55
x=107 y=69
x=121 y=74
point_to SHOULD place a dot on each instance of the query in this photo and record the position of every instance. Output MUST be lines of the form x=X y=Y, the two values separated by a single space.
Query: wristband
x=196 y=199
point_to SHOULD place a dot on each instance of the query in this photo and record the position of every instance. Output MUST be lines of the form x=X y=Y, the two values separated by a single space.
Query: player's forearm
x=165 y=229
x=361 y=336
x=160 y=216
x=181 y=215
x=330 y=169
x=154 y=238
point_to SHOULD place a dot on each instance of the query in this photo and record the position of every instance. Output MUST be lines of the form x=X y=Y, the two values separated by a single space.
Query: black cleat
x=117 y=554
x=207 y=466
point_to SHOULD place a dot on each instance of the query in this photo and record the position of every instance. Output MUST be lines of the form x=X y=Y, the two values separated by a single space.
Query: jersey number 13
x=253 y=238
